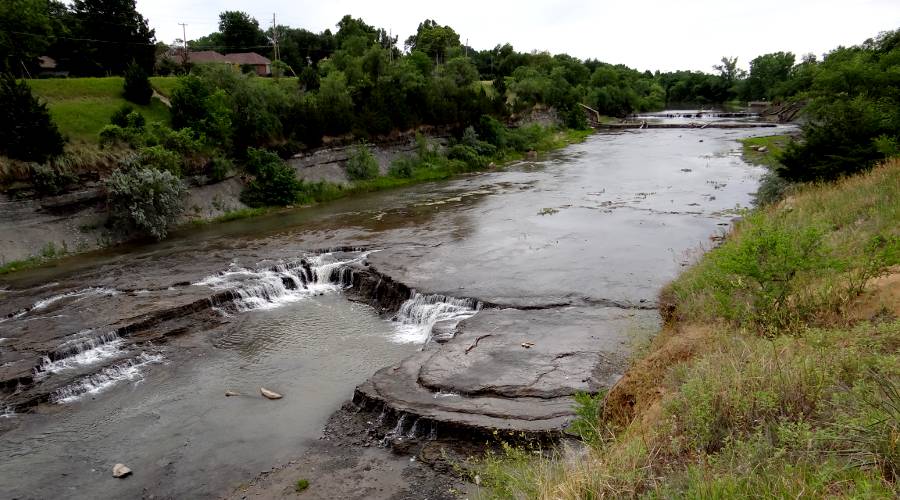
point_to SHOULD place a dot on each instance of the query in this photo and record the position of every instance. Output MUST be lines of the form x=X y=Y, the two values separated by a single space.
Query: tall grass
x=793 y=264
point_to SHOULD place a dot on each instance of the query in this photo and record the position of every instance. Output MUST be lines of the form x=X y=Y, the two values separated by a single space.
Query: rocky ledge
x=509 y=370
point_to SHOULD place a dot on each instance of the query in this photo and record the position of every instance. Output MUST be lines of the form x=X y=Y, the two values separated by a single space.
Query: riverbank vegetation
x=776 y=375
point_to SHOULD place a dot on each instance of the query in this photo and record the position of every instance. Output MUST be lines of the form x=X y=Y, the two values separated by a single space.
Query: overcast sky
x=644 y=34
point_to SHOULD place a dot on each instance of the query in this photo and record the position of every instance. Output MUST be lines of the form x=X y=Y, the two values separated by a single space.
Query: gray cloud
x=646 y=34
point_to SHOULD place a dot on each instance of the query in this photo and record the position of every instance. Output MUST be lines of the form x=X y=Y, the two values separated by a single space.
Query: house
x=47 y=66
x=205 y=57
x=261 y=65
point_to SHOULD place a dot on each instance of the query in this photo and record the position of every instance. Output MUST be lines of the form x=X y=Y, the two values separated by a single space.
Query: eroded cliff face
x=75 y=221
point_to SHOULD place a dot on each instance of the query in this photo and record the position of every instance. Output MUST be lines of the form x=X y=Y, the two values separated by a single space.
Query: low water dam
x=441 y=310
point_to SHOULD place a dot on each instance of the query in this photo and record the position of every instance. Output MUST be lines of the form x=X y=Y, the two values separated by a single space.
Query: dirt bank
x=75 y=221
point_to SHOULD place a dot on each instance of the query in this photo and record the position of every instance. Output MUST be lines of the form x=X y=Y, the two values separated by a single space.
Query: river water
x=604 y=222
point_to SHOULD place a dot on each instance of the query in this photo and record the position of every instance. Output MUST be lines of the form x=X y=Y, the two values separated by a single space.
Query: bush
x=26 y=131
x=402 y=168
x=120 y=117
x=361 y=165
x=467 y=155
x=219 y=168
x=112 y=135
x=143 y=201
x=48 y=180
x=137 y=85
x=159 y=158
x=274 y=183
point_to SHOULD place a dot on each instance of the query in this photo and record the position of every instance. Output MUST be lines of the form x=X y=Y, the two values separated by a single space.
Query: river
x=594 y=229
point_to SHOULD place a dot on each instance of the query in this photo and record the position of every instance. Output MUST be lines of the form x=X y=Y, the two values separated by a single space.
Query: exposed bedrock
x=509 y=369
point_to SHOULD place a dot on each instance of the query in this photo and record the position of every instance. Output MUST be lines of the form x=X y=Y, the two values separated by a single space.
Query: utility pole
x=275 y=35
x=184 y=52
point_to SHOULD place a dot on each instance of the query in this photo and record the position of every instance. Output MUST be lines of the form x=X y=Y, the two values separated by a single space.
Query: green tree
x=274 y=182
x=26 y=130
x=126 y=37
x=137 y=85
x=25 y=31
x=853 y=112
x=433 y=39
x=767 y=72
x=241 y=33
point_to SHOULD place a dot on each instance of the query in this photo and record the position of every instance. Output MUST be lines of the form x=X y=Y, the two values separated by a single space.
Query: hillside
x=81 y=107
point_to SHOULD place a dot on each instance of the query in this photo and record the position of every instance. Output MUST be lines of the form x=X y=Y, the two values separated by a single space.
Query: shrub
x=183 y=141
x=274 y=183
x=361 y=165
x=120 y=117
x=159 y=158
x=137 y=85
x=468 y=155
x=402 y=168
x=111 y=135
x=48 y=180
x=219 y=168
x=26 y=131
x=143 y=201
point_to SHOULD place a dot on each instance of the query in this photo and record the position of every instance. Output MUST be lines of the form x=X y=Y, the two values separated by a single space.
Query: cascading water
x=82 y=350
x=418 y=315
x=130 y=369
x=76 y=294
x=285 y=282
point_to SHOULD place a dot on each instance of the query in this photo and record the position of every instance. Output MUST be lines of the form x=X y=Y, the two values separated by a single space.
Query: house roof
x=206 y=56
x=46 y=62
x=251 y=58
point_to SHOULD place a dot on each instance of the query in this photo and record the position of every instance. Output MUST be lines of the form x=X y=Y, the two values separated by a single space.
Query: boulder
x=120 y=471
x=269 y=394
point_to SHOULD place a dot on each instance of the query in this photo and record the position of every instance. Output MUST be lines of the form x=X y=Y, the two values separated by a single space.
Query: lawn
x=81 y=107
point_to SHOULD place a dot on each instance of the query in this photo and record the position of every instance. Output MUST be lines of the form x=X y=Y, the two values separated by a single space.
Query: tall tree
x=112 y=34
x=241 y=33
x=767 y=72
x=24 y=34
x=433 y=39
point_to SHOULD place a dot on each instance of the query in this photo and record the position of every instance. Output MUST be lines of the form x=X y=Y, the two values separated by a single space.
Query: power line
x=124 y=42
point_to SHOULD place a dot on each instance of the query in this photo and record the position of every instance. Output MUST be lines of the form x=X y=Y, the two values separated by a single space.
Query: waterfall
x=420 y=312
x=80 y=351
x=130 y=369
x=285 y=282
x=7 y=412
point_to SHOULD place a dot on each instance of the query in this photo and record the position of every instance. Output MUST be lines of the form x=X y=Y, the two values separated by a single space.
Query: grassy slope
x=81 y=107
x=774 y=145
x=777 y=374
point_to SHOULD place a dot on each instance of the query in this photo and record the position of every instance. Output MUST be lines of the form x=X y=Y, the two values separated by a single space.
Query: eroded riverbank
x=592 y=232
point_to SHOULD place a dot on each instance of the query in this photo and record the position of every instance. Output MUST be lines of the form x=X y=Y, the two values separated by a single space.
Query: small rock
x=762 y=149
x=228 y=394
x=120 y=471
x=269 y=394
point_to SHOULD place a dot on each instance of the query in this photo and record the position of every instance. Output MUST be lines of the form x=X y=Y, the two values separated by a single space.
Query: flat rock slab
x=487 y=379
